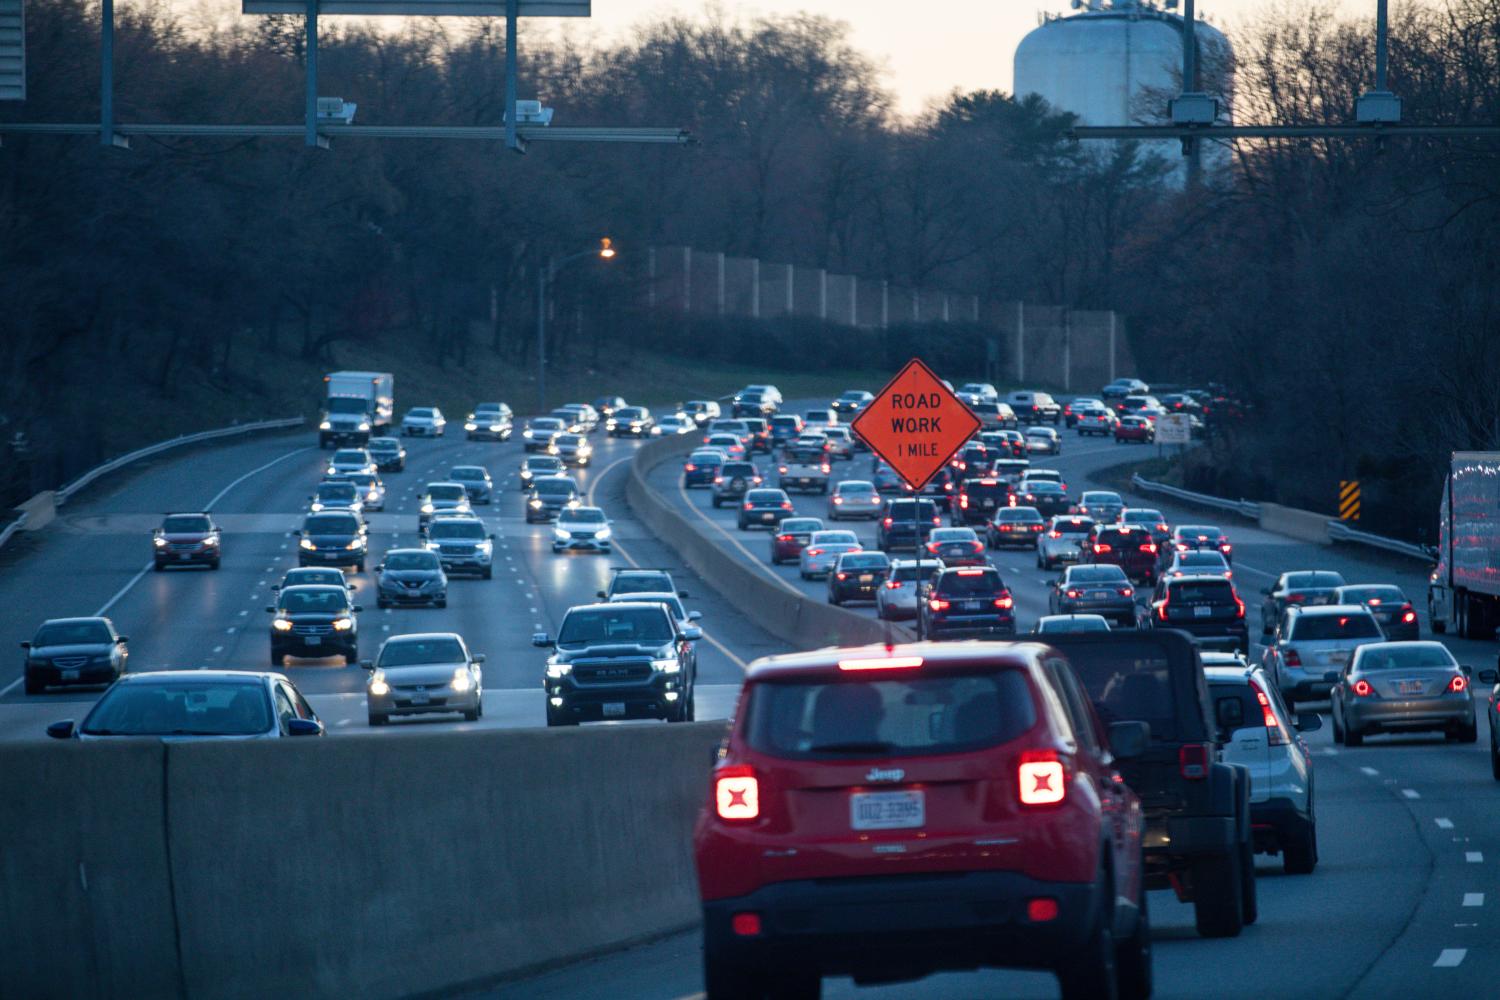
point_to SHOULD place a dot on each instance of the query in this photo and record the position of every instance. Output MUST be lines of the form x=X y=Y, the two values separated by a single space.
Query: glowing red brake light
x=784 y=538
x=881 y=663
x=971 y=572
x=1410 y=616
x=1074 y=593
x=749 y=505
x=1101 y=547
x=786 y=505
x=1362 y=688
x=814 y=552
x=1149 y=547
x=938 y=604
x=893 y=585
x=745 y=924
x=736 y=794
x=1458 y=684
x=1192 y=761
x=1291 y=657
x=1054 y=534
x=1041 y=779
x=886 y=522
x=1005 y=602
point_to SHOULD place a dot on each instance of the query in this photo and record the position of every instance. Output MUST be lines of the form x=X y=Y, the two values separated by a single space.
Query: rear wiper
x=872 y=746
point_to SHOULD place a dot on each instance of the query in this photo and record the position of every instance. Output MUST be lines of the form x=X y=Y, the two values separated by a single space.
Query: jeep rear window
x=913 y=715
x=1315 y=628
x=1129 y=682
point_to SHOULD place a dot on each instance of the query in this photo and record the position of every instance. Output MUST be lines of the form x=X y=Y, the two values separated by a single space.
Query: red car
x=790 y=538
x=1133 y=428
x=889 y=812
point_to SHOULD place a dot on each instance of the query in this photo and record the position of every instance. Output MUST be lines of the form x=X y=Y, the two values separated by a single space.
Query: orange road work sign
x=916 y=424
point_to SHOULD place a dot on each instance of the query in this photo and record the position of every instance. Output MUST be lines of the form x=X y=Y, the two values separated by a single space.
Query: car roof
x=301 y=588
x=1319 y=610
x=417 y=636
x=636 y=601
x=1206 y=578
x=409 y=550
x=206 y=676
x=469 y=468
x=819 y=663
x=76 y=621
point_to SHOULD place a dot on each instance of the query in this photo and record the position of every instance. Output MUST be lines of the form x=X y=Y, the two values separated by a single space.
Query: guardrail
x=88 y=477
x=1244 y=508
x=11 y=528
x=1338 y=531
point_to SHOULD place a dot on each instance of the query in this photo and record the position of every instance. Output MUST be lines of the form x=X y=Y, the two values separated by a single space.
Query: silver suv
x=1311 y=645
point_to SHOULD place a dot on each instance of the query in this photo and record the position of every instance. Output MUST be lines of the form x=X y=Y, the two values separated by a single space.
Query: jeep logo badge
x=891 y=774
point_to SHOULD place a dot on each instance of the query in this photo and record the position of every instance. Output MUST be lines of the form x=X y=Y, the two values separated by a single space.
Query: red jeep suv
x=888 y=812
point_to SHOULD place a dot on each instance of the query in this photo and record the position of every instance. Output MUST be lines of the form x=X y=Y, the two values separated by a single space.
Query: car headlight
x=325 y=426
x=602 y=533
x=372 y=496
x=355 y=543
x=463 y=505
x=470 y=425
x=461 y=680
x=307 y=543
x=343 y=624
x=552 y=449
x=485 y=546
x=573 y=504
x=497 y=428
x=281 y=624
x=635 y=425
x=159 y=542
x=536 y=503
x=431 y=546
x=560 y=534
x=427 y=508
x=211 y=540
x=609 y=425
x=556 y=670
x=378 y=686
x=655 y=431
x=525 y=474
x=526 y=432
x=364 y=425
x=315 y=506
x=669 y=666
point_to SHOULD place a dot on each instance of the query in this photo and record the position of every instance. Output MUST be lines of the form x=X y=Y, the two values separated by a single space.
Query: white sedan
x=423 y=421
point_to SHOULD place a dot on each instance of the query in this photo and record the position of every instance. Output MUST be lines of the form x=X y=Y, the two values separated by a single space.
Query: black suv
x=733 y=480
x=74 y=651
x=626 y=660
x=314 y=620
x=857 y=576
x=332 y=538
x=1198 y=835
x=978 y=499
x=630 y=421
x=760 y=434
x=186 y=540
x=549 y=495
x=940 y=488
x=765 y=508
x=388 y=453
x=1205 y=606
x=969 y=602
x=906 y=524
x=1131 y=549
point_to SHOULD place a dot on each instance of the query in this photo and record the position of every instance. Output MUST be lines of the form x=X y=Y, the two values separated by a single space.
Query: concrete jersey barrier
x=364 y=866
x=779 y=609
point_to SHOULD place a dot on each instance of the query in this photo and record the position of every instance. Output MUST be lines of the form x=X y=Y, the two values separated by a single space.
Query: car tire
x=1218 y=907
x=1092 y=974
x=1133 y=957
x=381 y=602
x=1249 y=898
x=278 y=660
x=834 y=600
x=158 y=567
x=715 y=502
x=34 y=686
x=472 y=715
x=489 y=573
x=1468 y=734
x=1338 y=728
x=1353 y=738
x=214 y=564
x=1299 y=855
x=378 y=720
x=555 y=718
x=359 y=567
x=441 y=602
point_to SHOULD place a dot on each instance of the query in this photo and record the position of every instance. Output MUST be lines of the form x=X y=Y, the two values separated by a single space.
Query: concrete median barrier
x=772 y=604
x=1303 y=525
x=369 y=866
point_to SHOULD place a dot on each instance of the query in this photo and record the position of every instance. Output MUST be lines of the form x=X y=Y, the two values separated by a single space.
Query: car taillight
x=938 y=604
x=786 y=505
x=1458 y=684
x=736 y=794
x=783 y=538
x=814 y=552
x=781 y=469
x=1003 y=527
x=1127 y=591
x=1041 y=779
x=1102 y=548
x=749 y=505
x=1362 y=688
x=1074 y=593
x=1275 y=735
x=1224 y=547
x=1054 y=534
x=1409 y=616
x=825 y=467
x=1291 y=657
x=1239 y=605
x=963 y=500
x=1005 y=602
x=690 y=467
x=745 y=924
x=1182 y=546
x=886 y=522
x=1192 y=761
x=1149 y=547
x=893 y=585
x=1295 y=598
x=842 y=576
x=838 y=499
x=718 y=480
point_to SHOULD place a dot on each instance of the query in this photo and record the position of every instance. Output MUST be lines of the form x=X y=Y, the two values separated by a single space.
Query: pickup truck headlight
x=427 y=508
x=667 y=666
x=552 y=449
x=326 y=425
x=364 y=425
x=315 y=506
x=159 y=542
x=535 y=503
x=470 y=425
x=497 y=428
x=484 y=547
x=281 y=624
x=526 y=433
x=556 y=670
x=431 y=546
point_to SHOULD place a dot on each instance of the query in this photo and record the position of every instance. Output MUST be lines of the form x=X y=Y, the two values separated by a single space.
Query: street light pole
x=544 y=276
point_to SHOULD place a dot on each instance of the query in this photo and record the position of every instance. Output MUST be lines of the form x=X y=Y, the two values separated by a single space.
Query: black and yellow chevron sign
x=1349 y=499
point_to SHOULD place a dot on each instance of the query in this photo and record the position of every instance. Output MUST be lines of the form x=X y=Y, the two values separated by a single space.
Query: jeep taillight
x=1192 y=761
x=1041 y=779
x=736 y=794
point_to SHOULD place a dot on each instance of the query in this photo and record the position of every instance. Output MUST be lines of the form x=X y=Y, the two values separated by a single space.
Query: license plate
x=1202 y=611
x=419 y=698
x=866 y=577
x=70 y=675
x=971 y=605
x=1339 y=656
x=183 y=555
x=1098 y=595
x=1409 y=687
x=314 y=640
x=887 y=810
x=989 y=503
x=768 y=517
x=614 y=709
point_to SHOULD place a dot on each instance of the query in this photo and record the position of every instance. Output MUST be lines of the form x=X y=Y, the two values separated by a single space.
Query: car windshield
x=383 y=444
x=623 y=624
x=326 y=577
x=906 y=572
x=890 y=717
x=181 y=708
x=1313 y=580
x=909 y=510
x=446 y=492
x=362 y=479
x=348 y=404
x=336 y=491
x=427 y=649
x=349 y=456
x=421 y=412
x=71 y=634
x=544 y=464
x=1131 y=684
x=185 y=524
x=408 y=561
x=765 y=497
x=794 y=525
x=467 y=474
x=331 y=524
x=1043 y=487
x=587 y=515
x=791 y=422
x=555 y=487
x=1096 y=574
x=1372 y=595
x=805 y=456
x=1105 y=498
x=853 y=394
x=963 y=583
x=1211 y=560
x=1201 y=533
x=331 y=600
x=1325 y=627
x=1072 y=525
x=642 y=583
x=1406 y=656
x=953 y=535
x=570 y=440
x=456 y=530
x=630 y=413
x=864 y=560
x=1142 y=516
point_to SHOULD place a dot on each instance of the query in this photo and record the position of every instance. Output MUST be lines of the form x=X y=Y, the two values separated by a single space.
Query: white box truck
x=358 y=405
x=1464 y=589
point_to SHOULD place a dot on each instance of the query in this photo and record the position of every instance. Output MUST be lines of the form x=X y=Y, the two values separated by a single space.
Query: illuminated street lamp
x=606 y=251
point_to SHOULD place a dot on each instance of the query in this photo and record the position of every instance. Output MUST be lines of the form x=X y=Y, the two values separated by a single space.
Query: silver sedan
x=1391 y=687
x=421 y=673
x=823 y=550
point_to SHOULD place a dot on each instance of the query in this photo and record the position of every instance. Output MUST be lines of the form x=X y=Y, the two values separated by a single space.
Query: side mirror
x=542 y=640
x=493 y=536
x=477 y=658
x=1468 y=670
x=270 y=609
x=293 y=534
x=26 y=644
x=1488 y=676
x=367 y=664
x=379 y=568
x=1309 y=722
x=682 y=593
x=602 y=595
x=122 y=640
x=694 y=616
x=692 y=633
x=1127 y=740
x=357 y=608
x=304 y=727
x=61 y=730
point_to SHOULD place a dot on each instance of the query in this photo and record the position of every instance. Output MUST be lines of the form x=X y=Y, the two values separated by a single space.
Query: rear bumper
x=52 y=676
x=1217 y=636
x=1274 y=822
x=1122 y=612
x=912 y=924
x=1410 y=716
x=633 y=700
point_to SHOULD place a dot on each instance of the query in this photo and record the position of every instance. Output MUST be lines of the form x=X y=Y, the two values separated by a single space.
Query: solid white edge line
x=1444 y=823
x=1473 y=899
x=1474 y=857
x=1411 y=793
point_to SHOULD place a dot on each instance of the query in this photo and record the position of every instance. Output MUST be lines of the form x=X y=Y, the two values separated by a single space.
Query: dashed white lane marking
x=218 y=649
x=343 y=722
x=230 y=630
x=1474 y=857
x=285 y=547
x=385 y=628
x=1450 y=958
x=1411 y=793
x=533 y=610
x=1444 y=823
x=1473 y=899
x=1370 y=771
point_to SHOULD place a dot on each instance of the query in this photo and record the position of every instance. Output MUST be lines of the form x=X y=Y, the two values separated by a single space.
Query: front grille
x=583 y=536
x=312 y=629
x=457 y=550
x=184 y=546
x=69 y=662
x=611 y=672
x=414 y=584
